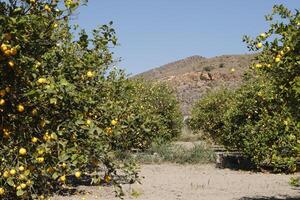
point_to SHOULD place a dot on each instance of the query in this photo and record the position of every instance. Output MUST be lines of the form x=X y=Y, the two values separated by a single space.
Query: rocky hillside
x=194 y=76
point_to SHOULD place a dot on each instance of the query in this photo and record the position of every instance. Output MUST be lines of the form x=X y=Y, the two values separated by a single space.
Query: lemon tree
x=64 y=110
x=48 y=88
x=262 y=117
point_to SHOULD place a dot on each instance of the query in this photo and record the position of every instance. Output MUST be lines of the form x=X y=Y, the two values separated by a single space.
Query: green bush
x=64 y=111
x=207 y=113
x=262 y=117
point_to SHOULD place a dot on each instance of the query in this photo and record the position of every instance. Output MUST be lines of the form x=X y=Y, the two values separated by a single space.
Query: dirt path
x=198 y=182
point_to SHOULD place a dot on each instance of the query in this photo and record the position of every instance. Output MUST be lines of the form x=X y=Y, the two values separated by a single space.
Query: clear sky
x=155 y=32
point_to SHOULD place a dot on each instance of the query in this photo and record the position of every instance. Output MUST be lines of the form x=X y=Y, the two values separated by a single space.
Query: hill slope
x=194 y=76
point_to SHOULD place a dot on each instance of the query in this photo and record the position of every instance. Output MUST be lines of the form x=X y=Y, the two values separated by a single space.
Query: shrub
x=207 y=113
x=64 y=111
x=262 y=118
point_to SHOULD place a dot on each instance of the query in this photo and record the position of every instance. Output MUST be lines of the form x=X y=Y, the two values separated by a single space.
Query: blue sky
x=155 y=32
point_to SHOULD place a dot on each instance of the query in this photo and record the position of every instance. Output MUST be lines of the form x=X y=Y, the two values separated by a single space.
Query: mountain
x=194 y=76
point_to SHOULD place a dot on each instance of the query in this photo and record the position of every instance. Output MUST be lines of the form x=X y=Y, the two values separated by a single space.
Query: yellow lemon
x=88 y=122
x=6 y=133
x=13 y=51
x=22 y=177
x=77 y=174
x=2 y=102
x=259 y=45
x=40 y=151
x=34 y=112
x=42 y=80
x=21 y=168
x=90 y=74
x=22 y=151
x=63 y=165
x=281 y=53
x=11 y=63
x=258 y=65
x=40 y=159
x=277 y=59
x=108 y=130
x=2 y=191
x=23 y=186
x=20 y=108
x=29 y=182
x=107 y=179
x=7 y=53
x=47 y=8
x=62 y=178
x=3 y=47
x=114 y=122
x=263 y=35
x=12 y=172
x=34 y=140
x=6 y=174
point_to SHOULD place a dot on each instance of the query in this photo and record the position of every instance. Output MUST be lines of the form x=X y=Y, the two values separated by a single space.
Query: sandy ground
x=198 y=182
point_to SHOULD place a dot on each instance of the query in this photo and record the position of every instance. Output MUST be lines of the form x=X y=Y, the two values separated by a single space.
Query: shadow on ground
x=271 y=198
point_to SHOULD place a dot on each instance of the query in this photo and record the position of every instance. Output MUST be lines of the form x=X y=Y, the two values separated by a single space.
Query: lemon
x=258 y=65
x=40 y=159
x=12 y=172
x=40 y=151
x=259 y=45
x=107 y=179
x=2 y=102
x=88 y=122
x=77 y=174
x=34 y=140
x=63 y=165
x=20 y=108
x=277 y=59
x=7 y=53
x=22 y=177
x=2 y=191
x=34 y=112
x=42 y=80
x=21 y=168
x=114 y=122
x=22 y=151
x=13 y=51
x=263 y=35
x=90 y=74
x=47 y=8
x=23 y=186
x=6 y=174
x=3 y=47
x=29 y=182
x=62 y=178
x=11 y=63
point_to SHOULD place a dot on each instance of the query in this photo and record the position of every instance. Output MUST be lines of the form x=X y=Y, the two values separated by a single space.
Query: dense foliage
x=262 y=117
x=64 y=111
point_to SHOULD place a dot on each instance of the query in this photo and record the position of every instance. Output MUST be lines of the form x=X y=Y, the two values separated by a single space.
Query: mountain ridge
x=194 y=76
